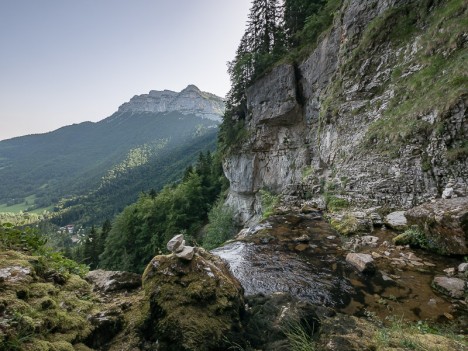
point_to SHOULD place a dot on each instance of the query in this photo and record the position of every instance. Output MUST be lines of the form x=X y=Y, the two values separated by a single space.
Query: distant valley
x=88 y=172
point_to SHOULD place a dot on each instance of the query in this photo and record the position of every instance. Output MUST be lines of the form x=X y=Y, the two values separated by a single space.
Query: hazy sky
x=68 y=61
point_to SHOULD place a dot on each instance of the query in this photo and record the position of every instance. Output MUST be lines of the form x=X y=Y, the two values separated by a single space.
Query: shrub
x=221 y=226
x=268 y=201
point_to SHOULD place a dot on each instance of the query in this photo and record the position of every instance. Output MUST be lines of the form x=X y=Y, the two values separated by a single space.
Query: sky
x=69 y=61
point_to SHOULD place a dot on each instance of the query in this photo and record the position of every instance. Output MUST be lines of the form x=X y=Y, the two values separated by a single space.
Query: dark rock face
x=194 y=305
x=268 y=319
x=105 y=326
x=106 y=281
x=445 y=224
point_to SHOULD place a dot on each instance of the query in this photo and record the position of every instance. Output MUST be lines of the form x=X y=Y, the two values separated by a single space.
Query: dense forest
x=143 y=228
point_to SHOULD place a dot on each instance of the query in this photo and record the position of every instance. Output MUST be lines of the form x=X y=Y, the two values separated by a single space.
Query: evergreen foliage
x=221 y=226
x=143 y=228
x=275 y=31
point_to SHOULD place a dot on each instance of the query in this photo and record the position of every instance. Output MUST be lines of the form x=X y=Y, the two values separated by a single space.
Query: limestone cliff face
x=191 y=100
x=376 y=114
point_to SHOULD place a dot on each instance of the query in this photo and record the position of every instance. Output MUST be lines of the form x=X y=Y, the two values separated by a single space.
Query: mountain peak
x=190 y=100
x=191 y=87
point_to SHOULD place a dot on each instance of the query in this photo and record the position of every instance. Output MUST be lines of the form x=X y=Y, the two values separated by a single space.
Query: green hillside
x=104 y=165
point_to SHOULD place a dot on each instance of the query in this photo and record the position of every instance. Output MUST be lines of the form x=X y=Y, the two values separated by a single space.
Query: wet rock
x=176 y=244
x=396 y=220
x=275 y=313
x=364 y=263
x=444 y=223
x=106 y=281
x=194 y=305
x=453 y=287
x=343 y=332
x=106 y=325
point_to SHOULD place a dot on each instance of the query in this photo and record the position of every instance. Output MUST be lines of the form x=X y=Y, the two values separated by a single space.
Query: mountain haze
x=162 y=131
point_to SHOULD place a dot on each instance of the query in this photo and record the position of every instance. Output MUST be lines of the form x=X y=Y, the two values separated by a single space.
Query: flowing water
x=302 y=255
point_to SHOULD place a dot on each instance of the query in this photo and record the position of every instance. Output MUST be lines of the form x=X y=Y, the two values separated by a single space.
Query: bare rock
x=175 y=243
x=453 y=287
x=186 y=253
x=107 y=281
x=364 y=263
x=396 y=220
x=463 y=267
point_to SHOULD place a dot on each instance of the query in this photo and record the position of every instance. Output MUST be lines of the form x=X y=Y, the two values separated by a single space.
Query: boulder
x=350 y=223
x=444 y=223
x=453 y=287
x=193 y=305
x=364 y=263
x=106 y=281
x=396 y=220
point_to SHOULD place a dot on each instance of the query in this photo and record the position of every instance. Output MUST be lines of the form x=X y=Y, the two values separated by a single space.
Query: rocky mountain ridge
x=375 y=117
x=190 y=100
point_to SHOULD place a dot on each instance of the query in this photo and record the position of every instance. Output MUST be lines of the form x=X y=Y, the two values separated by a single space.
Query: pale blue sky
x=68 y=61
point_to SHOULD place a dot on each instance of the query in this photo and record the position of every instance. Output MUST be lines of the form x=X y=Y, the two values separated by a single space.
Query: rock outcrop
x=193 y=304
x=333 y=124
x=191 y=100
x=106 y=281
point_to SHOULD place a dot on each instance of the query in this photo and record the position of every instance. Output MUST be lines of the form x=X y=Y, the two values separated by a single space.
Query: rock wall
x=333 y=123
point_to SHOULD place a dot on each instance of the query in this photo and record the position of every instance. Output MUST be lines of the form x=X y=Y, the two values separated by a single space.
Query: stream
x=302 y=255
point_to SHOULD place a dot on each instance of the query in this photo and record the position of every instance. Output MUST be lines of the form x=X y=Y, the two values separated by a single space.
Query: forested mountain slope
x=141 y=146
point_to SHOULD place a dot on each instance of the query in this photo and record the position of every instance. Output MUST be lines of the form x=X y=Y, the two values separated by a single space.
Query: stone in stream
x=453 y=287
x=176 y=244
x=364 y=263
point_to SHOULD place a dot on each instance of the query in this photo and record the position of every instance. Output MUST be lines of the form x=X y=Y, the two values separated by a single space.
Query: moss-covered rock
x=350 y=223
x=194 y=305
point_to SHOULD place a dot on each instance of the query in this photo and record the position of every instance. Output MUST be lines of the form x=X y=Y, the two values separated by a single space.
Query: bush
x=269 y=201
x=28 y=239
x=221 y=226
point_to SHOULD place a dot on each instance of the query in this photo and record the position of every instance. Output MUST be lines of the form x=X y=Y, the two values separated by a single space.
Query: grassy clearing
x=417 y=336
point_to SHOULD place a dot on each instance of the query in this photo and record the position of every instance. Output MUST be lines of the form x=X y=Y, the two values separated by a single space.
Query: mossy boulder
x=194 y=305
x=444 y=223
x=350 y=223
